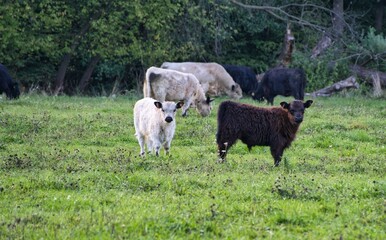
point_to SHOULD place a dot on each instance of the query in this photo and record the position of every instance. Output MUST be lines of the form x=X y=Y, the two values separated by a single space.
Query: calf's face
x=168 y=109
x=296 y=109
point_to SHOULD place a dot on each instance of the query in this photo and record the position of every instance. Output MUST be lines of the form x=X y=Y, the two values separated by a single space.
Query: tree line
x=95 y=47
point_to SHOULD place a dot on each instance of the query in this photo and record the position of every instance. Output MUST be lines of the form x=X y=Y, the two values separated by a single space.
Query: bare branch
x=281 y=14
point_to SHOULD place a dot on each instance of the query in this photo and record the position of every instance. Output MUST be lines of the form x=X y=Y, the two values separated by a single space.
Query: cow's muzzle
x=298 y=119
x=168 y=119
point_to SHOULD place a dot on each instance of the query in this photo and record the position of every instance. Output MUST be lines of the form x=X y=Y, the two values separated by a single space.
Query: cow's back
x=146 y=116
x=285 y=82
x=252 y=125
x=244 y=76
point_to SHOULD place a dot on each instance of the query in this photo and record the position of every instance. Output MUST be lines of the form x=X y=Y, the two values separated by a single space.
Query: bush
x=320 y=72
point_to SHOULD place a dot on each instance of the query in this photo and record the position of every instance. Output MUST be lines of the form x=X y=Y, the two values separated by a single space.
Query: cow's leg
x=185 y=107
x=223 y=149
x=166 y=146
x=156 y=146
x=149 y=146
x=141 y=141
x=270 y=100
x=8 y=92
x=301 y=95
x=277 y=153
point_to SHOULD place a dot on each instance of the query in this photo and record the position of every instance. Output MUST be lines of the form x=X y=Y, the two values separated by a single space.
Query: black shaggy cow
x=282 y=81
x=255 y=126
x=244 y=76
x=7 y=85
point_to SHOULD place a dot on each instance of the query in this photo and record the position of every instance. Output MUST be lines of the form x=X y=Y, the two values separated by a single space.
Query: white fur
x=150 y=124
x=210 y=75
x=164 y=84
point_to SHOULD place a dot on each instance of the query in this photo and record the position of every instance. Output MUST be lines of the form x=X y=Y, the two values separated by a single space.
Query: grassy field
x=69 y=169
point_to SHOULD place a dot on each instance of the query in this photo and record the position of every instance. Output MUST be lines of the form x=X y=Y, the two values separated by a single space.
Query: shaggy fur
x=255 y=126
x=208 y=74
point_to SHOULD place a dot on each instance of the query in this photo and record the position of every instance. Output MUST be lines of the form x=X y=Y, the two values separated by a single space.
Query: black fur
x=7 y=85
x=282 y=81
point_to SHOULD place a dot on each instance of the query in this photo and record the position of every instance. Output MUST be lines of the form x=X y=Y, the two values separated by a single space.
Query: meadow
x=69 y=169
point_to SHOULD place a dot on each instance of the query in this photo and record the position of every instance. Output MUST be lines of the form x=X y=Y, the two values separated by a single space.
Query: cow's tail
x=150 y=77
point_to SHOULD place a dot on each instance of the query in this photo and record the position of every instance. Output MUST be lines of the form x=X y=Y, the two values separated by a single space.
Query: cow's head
x=204 y=106
x=258 y=94
x=15 y=92
x=296 y=109
x=235 y=91
x=168 y=109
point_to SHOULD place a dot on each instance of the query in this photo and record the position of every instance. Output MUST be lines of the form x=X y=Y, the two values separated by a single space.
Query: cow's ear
x=208 y=100
x=180 y=104
x=285 y=105
x=158 y=104
x=308 y=103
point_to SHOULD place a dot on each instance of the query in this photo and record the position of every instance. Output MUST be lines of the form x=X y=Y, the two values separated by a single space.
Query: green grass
x=69 y=169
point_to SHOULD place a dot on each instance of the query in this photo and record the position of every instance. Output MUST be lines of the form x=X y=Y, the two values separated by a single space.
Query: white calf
x=170 y=85
x=154 y=124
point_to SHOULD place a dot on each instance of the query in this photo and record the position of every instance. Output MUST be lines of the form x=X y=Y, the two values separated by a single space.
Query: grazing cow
x=255 y=126
x=7 y=85
x=282 y=81
x=154 y=124
x=170 y=85
x=208 y=74
x=244 y=76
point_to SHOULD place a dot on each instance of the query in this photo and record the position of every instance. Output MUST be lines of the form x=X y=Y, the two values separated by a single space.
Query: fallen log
x=368 y=75
x=336 y=87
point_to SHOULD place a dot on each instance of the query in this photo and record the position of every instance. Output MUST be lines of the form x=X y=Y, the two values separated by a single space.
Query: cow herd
x=191 y=84
x=188 y=85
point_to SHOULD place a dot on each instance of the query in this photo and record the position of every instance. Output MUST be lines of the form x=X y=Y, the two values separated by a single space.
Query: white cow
x=208 y=74
x=169 y=85
x=154 y=124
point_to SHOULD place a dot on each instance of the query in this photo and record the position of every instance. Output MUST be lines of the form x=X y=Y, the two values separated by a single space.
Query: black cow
x=282 y=81
x=275 y=127
x=244 y=76
x=7 y=85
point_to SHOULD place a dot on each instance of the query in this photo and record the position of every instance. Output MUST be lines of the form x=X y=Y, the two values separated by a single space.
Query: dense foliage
x=106 y=46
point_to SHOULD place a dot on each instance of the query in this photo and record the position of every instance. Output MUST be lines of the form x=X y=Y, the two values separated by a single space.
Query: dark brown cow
x=255 y=126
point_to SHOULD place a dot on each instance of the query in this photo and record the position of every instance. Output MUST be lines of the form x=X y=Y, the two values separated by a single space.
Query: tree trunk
x=59 y=81
x=84 y=81
x=336 y=32
x=336 y=87
x=322 y=45
x=379 y=10
x=338 y=19
x=288 y=47
x=377 y=89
